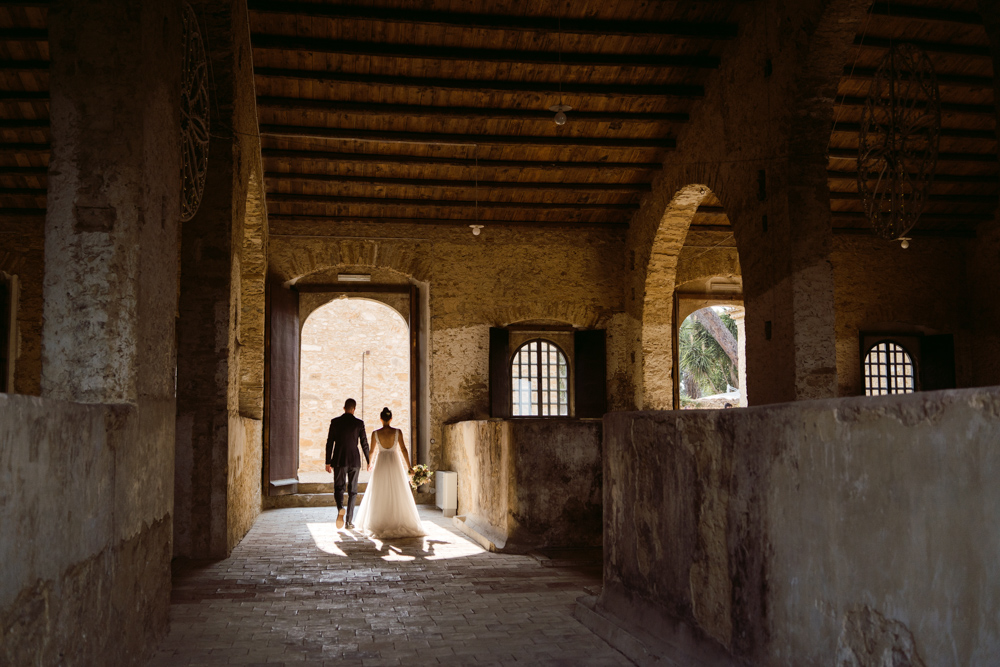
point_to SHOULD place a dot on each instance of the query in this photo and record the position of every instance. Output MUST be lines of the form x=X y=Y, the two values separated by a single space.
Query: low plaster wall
x=85 y=531
x=529 y=483
x=821 y=532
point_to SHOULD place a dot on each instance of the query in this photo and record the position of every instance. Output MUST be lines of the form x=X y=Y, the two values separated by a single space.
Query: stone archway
x=335 y=367
x=658 y=297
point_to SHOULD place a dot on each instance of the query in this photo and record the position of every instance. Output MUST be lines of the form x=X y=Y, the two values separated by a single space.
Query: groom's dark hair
x=350 y=403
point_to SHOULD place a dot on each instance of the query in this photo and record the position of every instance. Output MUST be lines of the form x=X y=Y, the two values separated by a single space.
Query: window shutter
x=937 y=362
x=590 y=373
x=500 y=391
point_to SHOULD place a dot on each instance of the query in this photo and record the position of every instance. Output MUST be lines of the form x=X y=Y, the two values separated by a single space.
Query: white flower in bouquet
x=419 y=475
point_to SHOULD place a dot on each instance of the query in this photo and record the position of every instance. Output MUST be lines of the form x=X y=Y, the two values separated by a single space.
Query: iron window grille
x=539 y=381
x=888 y=370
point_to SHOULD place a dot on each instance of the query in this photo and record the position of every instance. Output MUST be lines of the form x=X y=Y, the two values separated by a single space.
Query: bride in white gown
x=387 y=509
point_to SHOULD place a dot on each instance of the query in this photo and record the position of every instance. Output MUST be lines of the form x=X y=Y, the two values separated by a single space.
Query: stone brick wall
x=334 y=340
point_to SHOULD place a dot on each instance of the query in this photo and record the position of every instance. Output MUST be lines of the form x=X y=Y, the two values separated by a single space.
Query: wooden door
x=281 y=458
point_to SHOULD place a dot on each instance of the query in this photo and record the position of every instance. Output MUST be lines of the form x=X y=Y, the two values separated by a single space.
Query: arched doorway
x=693 y=264
x=351 y=348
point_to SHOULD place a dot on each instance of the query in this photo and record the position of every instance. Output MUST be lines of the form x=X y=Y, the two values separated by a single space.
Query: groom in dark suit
x=342 y=458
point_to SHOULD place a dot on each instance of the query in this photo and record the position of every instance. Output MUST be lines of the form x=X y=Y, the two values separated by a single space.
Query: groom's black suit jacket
x=342 y=442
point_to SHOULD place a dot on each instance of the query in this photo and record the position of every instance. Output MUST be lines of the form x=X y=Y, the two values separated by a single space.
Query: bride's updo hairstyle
x=386 y=415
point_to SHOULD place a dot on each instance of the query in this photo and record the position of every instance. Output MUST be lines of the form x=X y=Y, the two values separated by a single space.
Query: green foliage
x=705 y=367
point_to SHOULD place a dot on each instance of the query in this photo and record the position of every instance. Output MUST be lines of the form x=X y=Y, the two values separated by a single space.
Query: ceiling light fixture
x=476 y=229
x=354 y=278
x=561 y=108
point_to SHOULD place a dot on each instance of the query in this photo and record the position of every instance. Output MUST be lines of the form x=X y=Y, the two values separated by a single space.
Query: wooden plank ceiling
x=24 y=108
x=438 y=112
x=964 y=190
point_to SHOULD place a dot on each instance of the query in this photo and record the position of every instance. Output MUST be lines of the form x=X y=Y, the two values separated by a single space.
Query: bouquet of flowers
x=419 y=475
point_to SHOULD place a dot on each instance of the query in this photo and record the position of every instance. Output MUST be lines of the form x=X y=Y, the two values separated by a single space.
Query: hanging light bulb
x=904 y=242
x=560 y=111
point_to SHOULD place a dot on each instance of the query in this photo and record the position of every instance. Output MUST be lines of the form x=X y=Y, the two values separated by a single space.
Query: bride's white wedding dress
x=387 y=509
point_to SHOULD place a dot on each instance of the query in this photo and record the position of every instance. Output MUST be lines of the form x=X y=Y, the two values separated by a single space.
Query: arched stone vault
x=658 y=297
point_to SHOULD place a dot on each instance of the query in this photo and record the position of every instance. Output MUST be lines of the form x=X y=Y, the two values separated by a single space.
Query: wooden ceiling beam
x=949 y=198
x=436 y=138
x=867 y=73
x=549 y=24
x=896 y=10
x=24 y=65
x=369 y=158
x=23 y=35
x=277 y=197
x=913 y=233
x=928 y=217
x=938 y=48
x=24 y=123
x=24 y=171
x=678 y=91
x=852 y=154
x=439 y=183
x=460 y=113
x=24 y=96
x=463 y=222
x=952 y=132
x=938 y=178
x=28 y=148
x=424 y=52
x=953 y=107
x=22 y=192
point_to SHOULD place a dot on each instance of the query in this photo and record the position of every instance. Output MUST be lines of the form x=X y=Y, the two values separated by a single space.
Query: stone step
x=305 y=500
x=324 y=487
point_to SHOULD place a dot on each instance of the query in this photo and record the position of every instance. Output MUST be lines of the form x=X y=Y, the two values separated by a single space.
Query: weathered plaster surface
x=793 y=532
x=529 y=483
x=84 y=531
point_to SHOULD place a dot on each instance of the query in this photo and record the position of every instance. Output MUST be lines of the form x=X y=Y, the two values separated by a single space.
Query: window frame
x=914 y=364
x=565 y=359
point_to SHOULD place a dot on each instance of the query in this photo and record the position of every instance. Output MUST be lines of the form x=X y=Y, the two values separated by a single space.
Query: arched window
x=888 y=370
x=540 y=381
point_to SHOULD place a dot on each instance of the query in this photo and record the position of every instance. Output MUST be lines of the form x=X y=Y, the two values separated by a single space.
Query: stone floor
x=298 y=592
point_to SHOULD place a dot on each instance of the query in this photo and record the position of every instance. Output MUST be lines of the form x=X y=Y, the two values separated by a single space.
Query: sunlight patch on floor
x=440 y=543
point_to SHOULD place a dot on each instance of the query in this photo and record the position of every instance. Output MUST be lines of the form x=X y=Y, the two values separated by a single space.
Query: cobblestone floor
x=298 y=592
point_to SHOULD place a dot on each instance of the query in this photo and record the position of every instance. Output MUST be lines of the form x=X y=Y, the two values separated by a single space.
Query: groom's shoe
x=350 y=526
x=340 y=518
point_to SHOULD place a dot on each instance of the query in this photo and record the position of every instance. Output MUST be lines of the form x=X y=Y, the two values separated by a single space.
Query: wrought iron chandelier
x=898 y=141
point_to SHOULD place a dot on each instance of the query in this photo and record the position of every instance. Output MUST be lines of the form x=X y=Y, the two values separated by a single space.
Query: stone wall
x=879 y=285
x=801 y=532
x=220 y=330
x=334 y=338
x=528 y=483
x=568 y=276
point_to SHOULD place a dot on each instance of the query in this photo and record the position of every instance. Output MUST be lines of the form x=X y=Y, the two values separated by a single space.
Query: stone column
x=738 y=315
x=217 y=453
x=113 y=201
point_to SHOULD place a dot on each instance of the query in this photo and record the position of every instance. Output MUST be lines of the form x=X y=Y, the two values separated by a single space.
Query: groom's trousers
x=346 y=477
